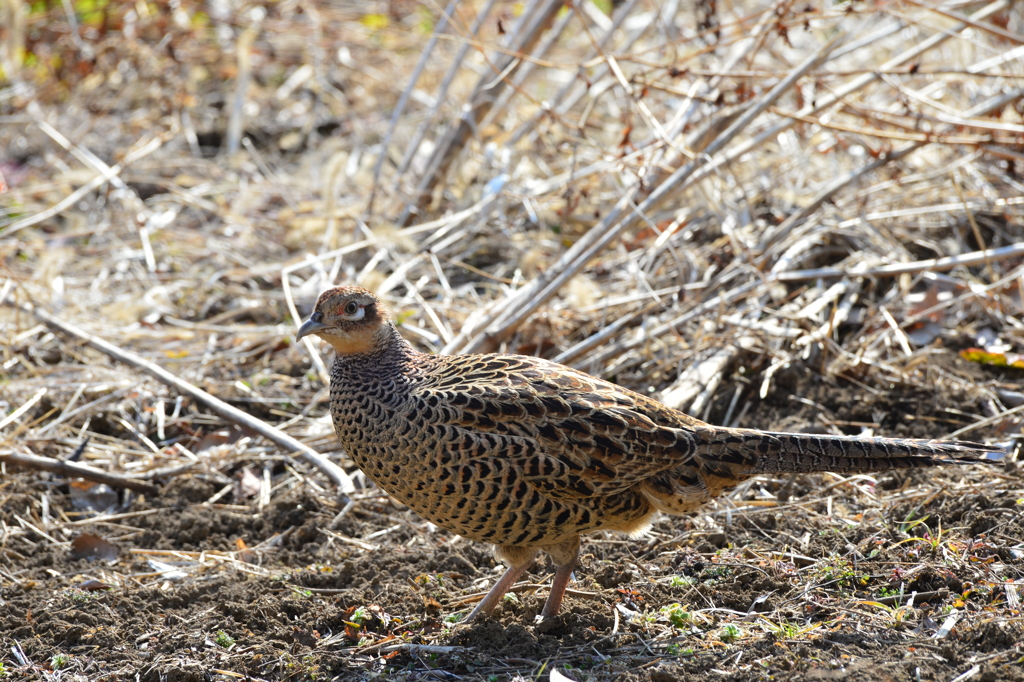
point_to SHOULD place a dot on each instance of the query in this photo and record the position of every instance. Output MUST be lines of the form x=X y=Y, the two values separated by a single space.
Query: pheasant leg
x=564 y=556
x=504 y=584
x=563 y=574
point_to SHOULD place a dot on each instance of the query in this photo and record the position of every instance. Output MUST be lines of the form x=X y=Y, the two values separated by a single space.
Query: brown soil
x=776 y=591
x=798 y=578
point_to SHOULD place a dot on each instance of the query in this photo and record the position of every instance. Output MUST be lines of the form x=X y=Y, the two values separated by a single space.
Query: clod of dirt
x=611 y=576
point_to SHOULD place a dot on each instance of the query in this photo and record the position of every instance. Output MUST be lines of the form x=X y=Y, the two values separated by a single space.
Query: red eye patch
x=341 y=309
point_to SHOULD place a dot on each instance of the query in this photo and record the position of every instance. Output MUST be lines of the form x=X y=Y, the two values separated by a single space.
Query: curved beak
x=309 y=327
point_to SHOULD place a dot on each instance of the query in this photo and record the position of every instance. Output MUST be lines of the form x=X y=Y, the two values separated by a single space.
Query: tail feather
x=759 y=452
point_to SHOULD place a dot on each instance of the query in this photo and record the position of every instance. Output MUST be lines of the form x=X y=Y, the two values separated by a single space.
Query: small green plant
x=934 y=541
x=455 y=617
x=680 y=581
x=223 y=639
x=674 y=649
x=511 y=597
x=678 y=616
x=840 y=572
x=781 y=630
x=646 y=617
x=718 y=572
x=81 y=596
x=730 y=633
x=305 y=594
x=59 y=661
x=430 y=579
x=785 y=630
x=909 y=523
x=3 y=669
x=896 y=615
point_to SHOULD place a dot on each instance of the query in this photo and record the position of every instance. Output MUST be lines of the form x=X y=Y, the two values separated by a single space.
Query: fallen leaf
x=244 y=553
x=984 y=357
x=88 y=546
x=248 y=485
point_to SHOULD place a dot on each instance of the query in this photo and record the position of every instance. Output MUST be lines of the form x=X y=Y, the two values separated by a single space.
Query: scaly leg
x=564 y=556
x=558 y=584
x=519 y=559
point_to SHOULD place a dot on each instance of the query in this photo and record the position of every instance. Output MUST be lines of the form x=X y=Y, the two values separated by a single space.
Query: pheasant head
x=351 y=319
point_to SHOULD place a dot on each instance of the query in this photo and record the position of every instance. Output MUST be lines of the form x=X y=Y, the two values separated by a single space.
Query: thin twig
x=931 y=265
x=14 y=416
x=232 y=414
x=73 y=470
x=74 y=197
x=529 y=298
x=396 y=114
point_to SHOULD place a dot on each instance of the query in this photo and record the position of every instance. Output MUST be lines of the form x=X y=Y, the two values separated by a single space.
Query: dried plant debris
x=776 y=215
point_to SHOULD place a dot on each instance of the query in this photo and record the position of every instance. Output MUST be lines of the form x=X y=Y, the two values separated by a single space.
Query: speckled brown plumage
x=528 y=454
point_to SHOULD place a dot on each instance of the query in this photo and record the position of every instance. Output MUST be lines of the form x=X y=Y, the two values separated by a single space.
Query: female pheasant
x=529 y=455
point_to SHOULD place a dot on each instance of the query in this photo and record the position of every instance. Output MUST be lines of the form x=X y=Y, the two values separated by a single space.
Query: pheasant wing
x=570 y=435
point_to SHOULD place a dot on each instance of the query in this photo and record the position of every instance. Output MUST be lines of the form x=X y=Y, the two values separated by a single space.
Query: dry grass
x=695 y=204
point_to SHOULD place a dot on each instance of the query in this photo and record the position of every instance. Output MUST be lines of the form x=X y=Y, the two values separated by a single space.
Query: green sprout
x=223 y=639
x=730 y=633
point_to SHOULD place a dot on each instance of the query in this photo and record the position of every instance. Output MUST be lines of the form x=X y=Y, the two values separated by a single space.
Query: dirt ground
x=247 y=565
x=797 y=579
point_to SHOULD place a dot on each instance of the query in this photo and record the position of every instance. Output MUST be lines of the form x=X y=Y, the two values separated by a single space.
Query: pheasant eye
x=351 y=308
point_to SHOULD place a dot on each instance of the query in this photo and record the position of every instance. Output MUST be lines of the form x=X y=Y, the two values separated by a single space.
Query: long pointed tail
x=758 y=452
